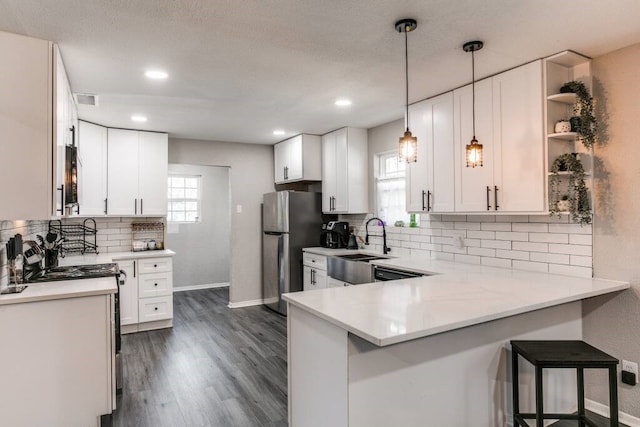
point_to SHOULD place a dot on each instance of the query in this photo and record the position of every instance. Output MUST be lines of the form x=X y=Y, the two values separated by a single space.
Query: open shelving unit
x=559 y=69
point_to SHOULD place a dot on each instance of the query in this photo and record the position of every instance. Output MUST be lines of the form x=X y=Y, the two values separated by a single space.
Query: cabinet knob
x=155 y=265
x=156 y=309
x=155 y=284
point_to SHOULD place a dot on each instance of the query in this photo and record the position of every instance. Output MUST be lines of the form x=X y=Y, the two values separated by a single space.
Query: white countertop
x=45 y=291
x=456 y=296
x=113 y=257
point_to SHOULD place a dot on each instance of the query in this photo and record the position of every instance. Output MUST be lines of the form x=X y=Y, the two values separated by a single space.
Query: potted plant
x=584 y=123
x=576 y=197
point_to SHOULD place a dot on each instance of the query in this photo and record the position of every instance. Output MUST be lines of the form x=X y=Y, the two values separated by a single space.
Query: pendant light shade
x=474 y=152
x=408 y=144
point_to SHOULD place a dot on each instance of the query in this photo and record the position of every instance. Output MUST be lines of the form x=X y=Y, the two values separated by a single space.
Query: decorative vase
x=563 y=126
x=564 y=205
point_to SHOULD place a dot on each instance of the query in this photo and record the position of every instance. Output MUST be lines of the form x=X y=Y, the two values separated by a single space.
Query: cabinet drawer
x=155 y=285
x=154 y=265
x=314 y=260
x=157 y=308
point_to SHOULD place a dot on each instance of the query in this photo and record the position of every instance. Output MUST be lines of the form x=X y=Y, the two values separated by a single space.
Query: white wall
x=612 y=322
x=251 y=175
x=202 y=248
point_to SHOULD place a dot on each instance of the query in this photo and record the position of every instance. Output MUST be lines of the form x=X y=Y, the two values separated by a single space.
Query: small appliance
x=334 y=235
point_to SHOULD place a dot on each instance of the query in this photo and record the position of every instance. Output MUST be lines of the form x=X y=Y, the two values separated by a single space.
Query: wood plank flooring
x=216 y=367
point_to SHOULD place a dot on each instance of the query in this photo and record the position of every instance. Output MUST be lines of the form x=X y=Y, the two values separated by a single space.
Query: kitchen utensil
x=50 y=240
x=32 y=252
x=40 y=241
x=11 y=249
x=353 y=243
x=18 y=245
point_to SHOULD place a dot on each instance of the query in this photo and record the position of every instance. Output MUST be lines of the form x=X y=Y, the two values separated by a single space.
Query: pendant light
x=408 y=148
x=474 y=150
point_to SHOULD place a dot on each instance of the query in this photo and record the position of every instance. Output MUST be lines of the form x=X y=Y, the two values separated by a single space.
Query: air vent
x=86 y=99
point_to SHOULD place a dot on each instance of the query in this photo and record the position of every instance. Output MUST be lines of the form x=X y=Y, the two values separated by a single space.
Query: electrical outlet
x=458 y=239
x=630 y=367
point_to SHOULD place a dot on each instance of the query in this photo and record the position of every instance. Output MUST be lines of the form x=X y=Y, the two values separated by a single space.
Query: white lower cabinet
x=314 y=271
x=128 y=293
x=153 y=309
x=314 y=278
x=146 y=298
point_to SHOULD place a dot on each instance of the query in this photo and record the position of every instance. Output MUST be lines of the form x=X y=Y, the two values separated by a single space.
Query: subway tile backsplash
x=114 y=235
x=524 y=242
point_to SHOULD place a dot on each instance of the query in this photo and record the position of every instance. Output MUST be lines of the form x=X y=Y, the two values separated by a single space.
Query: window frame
x=197 y=200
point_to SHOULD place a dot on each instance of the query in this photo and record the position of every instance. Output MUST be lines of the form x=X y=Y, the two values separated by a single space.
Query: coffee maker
x=334 y=235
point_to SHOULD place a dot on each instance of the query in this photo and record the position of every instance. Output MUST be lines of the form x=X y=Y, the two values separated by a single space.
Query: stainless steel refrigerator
x=291 y=220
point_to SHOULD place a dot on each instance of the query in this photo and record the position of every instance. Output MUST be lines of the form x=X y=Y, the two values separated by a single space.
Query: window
x=390 y=189
x=184 y=198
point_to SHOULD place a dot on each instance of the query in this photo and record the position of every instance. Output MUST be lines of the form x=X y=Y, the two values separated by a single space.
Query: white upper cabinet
x=429 y=181
x=509 y=125
x=519 y=139
x=137 y=170
x=153 y=172
x=122 y=172
x=345 y=171
x=298 y=159
x=92 y=173
x=26 y=128
x=65 y=131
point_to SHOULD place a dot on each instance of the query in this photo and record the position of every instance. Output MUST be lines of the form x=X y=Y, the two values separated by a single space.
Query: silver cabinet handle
x=135 y=206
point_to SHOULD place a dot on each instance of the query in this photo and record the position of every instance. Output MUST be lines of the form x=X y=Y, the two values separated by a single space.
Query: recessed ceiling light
x=278 y=132
x=343 y=102
x=138 y=118
x=156 y=74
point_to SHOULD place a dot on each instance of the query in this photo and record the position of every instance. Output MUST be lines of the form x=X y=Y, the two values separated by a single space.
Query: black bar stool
x=562 y=354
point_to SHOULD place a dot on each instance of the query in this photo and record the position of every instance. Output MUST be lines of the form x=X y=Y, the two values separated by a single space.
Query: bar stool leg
x=581 y=411
x=515 y=386
x=539 y=402
x=613 y=396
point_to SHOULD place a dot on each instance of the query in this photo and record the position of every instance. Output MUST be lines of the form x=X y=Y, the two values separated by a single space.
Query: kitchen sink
x=352 y=268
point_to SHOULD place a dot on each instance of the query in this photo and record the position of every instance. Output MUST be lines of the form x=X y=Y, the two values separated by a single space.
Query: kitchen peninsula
x=58 y=353
x=431 y=350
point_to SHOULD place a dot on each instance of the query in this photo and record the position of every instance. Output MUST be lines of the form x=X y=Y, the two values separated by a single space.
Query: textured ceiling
x=240 y=69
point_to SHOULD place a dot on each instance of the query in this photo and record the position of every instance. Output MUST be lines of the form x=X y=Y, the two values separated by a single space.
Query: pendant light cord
x=406 y=71
x=473 y=90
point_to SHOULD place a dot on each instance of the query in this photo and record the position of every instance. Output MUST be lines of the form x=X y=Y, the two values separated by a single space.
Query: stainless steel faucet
x=385 y=249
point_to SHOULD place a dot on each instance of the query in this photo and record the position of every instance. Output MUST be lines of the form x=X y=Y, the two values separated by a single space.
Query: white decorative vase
x=564 y=205
x=563 y=126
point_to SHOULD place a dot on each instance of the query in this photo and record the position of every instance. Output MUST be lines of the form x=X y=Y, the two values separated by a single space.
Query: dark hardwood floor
x=216 y=367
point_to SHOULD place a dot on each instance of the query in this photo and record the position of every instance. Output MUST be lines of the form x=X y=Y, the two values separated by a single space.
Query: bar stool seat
x=562 y=354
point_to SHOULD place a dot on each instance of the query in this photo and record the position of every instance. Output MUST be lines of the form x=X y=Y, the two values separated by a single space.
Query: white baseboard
x=205 y=286
x=245 y=303
x=603 y=410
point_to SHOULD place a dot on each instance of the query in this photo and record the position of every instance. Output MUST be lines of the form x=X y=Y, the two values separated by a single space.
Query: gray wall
x=202 y=248
x=613 y=322
x=251 y=175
